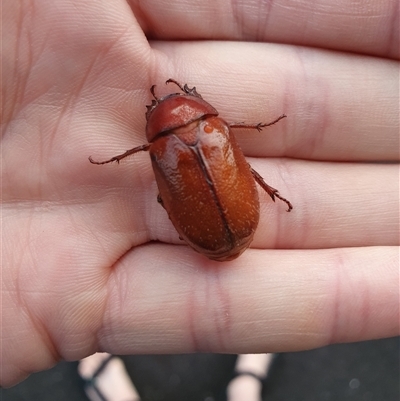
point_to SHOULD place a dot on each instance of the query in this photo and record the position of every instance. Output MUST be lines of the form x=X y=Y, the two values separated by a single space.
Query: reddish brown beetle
x=205 y=183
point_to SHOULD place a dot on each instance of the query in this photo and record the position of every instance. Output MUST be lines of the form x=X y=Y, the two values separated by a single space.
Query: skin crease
x=90 y=260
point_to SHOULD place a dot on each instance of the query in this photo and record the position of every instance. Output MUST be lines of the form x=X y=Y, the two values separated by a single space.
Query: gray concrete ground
x=367 y=371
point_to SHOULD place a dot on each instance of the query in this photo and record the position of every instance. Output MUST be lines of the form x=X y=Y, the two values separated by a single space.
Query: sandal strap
x=102 y=366
x=248 y=373
x=90 y=382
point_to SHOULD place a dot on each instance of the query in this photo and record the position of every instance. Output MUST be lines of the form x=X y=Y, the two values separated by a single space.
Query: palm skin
x=90 y=260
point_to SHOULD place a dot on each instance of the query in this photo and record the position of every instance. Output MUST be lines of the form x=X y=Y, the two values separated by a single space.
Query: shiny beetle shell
x=205 y=183
x=206 y=187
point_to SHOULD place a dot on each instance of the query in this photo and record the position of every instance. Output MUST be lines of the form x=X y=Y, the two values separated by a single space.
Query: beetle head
x=175 y=110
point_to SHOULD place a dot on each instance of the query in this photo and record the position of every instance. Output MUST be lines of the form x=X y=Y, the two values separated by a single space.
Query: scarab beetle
x=205 y=183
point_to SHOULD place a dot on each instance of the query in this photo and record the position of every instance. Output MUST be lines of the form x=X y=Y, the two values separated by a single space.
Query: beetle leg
x=123 y=155
x=153 y=103
x=257 y=126
x=272 y=192
x=185 y=88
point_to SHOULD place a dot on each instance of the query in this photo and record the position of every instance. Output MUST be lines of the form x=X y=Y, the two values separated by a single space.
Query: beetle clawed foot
x=94 y=162
x=260 y=126
x=154 y=95
x=290 y=207
x=272 y=122
x=113 y=159
x=185 y=88
x=272 y=192
x=191 y=91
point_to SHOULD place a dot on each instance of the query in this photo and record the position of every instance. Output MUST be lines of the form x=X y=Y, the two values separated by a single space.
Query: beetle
x=205 y=183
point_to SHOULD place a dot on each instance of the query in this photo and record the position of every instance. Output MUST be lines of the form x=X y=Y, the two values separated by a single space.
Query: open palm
x=90 y=260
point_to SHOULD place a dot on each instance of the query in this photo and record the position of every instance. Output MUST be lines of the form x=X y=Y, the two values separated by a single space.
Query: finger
x=334 y=205
x=266 y=301
x=340 y=219
x=67 y=64
x=359 y=27
x=338 y=106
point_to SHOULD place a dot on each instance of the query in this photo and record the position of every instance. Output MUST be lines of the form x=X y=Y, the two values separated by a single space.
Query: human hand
x=90 y=260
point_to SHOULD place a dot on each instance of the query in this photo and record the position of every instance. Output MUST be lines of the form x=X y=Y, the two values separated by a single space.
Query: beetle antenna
x=184 y=88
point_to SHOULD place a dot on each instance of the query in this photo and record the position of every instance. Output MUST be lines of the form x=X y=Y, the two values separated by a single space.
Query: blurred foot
x=250 y=372
x=106 y=378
